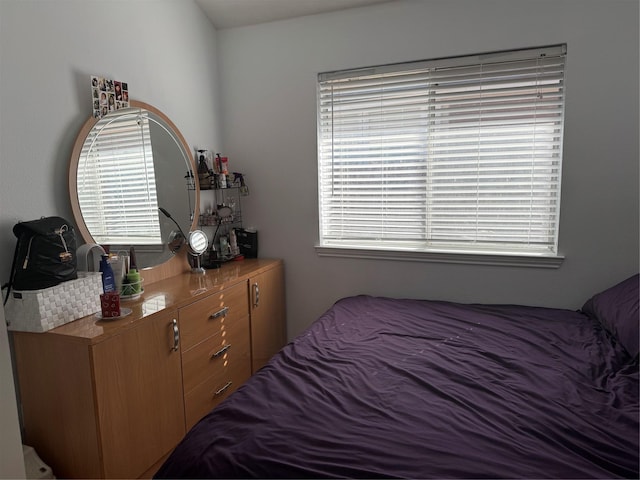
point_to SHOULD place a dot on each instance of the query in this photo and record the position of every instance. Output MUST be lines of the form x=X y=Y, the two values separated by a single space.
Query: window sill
x=469 y=258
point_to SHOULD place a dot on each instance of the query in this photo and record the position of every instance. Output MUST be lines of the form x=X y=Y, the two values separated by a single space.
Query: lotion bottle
x=108 y=280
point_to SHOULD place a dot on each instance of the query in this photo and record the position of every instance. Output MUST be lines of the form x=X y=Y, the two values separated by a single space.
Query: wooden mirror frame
x=176 y=264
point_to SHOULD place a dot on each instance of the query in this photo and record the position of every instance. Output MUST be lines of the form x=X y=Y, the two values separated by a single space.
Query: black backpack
x=45 y=254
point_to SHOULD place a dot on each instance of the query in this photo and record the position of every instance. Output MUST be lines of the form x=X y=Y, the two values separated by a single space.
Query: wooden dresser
x=110 y=399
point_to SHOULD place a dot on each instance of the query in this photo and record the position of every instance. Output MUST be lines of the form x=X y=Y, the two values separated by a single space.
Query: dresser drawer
x=229 y=346
x=199 y=401
x=205 y=317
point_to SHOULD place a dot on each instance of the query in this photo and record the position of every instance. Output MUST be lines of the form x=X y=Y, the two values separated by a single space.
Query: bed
x=398 y=388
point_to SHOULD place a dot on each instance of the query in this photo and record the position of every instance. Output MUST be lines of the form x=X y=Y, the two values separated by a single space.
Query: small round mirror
x=198 y=242
x=176 y=240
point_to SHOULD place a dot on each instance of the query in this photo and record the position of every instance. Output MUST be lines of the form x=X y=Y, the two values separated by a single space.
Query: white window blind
x=116 y=183
x=460 y=154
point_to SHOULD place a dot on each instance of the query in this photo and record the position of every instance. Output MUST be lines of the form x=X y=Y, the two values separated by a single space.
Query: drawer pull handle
x=222 y=390
x=256 y=295
x=221 y=351
x=219 y=313
x=176 y=335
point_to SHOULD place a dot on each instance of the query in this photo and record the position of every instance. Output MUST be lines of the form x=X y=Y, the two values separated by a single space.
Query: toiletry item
x=118 y=266
x=127 y=289
x=132 y=259
x=132 y=285
x=108 y=280
x=233 y=242
x=213 y=252
x=110 y=305
x=239 y=177
x=224 y=165
x=133 y=280
x=224 y=246
x=204 y=175
x=190 y=181
x=202 y=163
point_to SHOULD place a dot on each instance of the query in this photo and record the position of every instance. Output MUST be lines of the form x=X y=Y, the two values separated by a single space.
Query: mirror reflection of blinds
x=119 y=164
x=461 y=156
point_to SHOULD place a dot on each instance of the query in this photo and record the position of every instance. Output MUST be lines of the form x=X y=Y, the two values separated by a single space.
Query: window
x=460 y=155
x=116 y=183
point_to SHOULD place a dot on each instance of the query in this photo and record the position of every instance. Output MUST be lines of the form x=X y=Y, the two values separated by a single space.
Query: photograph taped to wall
x=108 y=95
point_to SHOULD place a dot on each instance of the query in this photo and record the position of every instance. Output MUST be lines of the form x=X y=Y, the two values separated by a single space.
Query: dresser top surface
x=164 y=296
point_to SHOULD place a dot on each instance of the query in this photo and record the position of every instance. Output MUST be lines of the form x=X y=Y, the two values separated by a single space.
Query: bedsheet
x=381 y=388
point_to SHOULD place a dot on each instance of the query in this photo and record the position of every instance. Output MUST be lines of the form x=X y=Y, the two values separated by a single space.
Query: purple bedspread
x=379 y=387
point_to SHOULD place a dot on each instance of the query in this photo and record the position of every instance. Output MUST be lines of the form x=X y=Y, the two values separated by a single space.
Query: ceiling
x=238 y=13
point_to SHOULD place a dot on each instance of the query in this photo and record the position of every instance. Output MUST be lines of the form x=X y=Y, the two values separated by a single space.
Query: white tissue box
x=47 y=308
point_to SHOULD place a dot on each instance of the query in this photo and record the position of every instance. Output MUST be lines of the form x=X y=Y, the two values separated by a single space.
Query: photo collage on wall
x=108 y=95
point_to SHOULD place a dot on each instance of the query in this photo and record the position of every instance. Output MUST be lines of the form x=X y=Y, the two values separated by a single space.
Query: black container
x=247 y=242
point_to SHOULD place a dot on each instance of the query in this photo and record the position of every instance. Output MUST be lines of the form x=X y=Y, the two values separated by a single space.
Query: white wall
x=268 y=74
x=11 y=458
x=164 y=49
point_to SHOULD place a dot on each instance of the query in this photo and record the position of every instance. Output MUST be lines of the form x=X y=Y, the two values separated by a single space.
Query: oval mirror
x=125 y=168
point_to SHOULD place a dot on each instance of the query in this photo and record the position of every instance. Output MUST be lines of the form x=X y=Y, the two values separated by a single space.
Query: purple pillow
x=617 y=310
